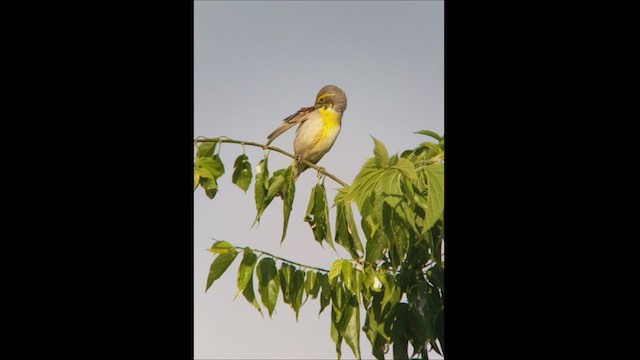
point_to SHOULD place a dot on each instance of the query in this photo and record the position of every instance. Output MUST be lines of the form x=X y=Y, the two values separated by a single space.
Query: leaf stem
x=282 y=259
x=224 y=139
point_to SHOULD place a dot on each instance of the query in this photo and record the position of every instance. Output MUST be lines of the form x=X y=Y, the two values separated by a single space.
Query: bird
x=319 y=126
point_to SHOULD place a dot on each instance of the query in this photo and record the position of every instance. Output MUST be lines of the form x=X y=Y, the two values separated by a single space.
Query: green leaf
x=286 y=281
x=435 y=197
x=219 y=266
x=210 y=186
x=268 y=284
x=429 y=133
x=260 y=189
x=400 y=341
x=327 y=291
x=435 y=149
x=351 y=326
x=335 y=336
x=205 y=173
x=276 y=183
x=312 y=284
x=337 y=303
x=371 y=330
x=364 y=183
x=250 y=295
x=206 y=149
x=347 y=232
x=336 y=269
x=348 y=276
x=196 y=179
x=376 y=247
x=287 y=198
x=297 y=289
x=424 y=305
x=406 y=168
x=436 y=276
x=220 y=247
x=242 y=172
x=393 y=160
x=380 y=152
x=213 y=165
x=318 y=215
x=245 y=270
x=339 y=198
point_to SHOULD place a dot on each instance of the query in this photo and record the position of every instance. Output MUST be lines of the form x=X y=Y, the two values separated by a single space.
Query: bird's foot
x=298 y=159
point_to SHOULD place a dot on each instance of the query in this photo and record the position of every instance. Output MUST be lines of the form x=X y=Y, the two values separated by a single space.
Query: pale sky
x=257 y=62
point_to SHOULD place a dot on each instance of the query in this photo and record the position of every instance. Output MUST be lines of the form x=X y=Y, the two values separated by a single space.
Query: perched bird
x=319 y=127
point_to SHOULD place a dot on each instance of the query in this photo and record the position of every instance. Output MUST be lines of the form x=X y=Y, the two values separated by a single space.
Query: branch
x=224 y=139
x=282 y=259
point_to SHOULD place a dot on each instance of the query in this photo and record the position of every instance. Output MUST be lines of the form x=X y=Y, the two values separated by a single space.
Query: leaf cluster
x=395 y=282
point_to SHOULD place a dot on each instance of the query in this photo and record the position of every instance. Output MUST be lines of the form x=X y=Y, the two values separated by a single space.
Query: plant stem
x=224 y=139
x=282 y=259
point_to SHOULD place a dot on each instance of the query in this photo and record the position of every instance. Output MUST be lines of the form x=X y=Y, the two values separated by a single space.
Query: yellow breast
x=331 y=120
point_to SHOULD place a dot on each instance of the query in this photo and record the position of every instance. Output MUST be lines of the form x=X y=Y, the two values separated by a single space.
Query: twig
x=282 y=259
x=224 y=139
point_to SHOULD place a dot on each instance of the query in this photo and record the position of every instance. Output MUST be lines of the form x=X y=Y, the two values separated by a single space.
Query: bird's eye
x=321 y=100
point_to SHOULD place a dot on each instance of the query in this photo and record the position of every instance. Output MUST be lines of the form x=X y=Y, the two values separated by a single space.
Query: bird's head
x=331 y=96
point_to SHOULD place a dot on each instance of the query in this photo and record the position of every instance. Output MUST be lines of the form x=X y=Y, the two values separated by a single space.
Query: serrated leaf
x=260 y=189
x=213 y=165
x=286 y=277
x=287 y=199
x=335 y=270
x=435 y=196
x=429 y=133
x=364 y=182
x=206 y=149
x=312 y=284
x=327 y=291
x=276 y=183
x=348 y=276
x=245 y=270
x=219 y=266
x=335 y=336
x=250 y=295
x=318 y=215
x=196 y=179
x=406 y=168
x=242 y=172
x=376 y=247
x=204 y=173
x=400 y=341
x=393 y=160
x=268 y=284
x=220 y=247
x=322 y=208
x=210 y=187
x=423 y=314
x=297 y=290
x=433 y=147
x=347 y=232
x=351 y=326
x=380 y=152
x=340 y=196
x=338 y=298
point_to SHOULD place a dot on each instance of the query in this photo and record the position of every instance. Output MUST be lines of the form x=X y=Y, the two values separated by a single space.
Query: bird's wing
x=289 y=122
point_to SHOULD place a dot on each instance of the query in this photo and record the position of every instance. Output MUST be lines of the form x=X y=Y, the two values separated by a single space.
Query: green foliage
x=242 y=172
x=318 y=215
x=268 y=283
x=395 y=281
x=287 y=198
